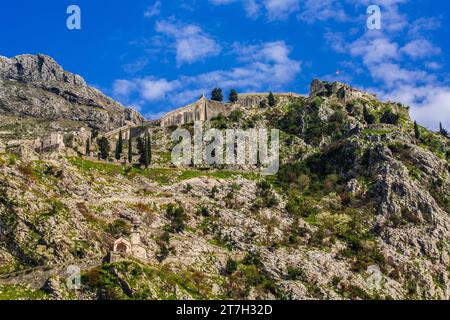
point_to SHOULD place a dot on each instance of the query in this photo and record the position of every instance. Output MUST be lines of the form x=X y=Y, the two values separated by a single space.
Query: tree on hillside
x=116 y=151
x=390 y=118
x=141 y=150
x=148 y=150
x=416 y=130
x=217 y=95
x=145 y=150
x=119 y=147
x=104 y=148
x=130 y=150
x=442 y=130
x=271 y=99
x=233 y=96
x=88 y=147
x=368 y=117
x=94 y=134
x=120 y=143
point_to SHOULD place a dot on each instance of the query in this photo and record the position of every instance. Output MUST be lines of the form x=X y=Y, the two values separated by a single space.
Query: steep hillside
x=359 y=191
x=35 y=87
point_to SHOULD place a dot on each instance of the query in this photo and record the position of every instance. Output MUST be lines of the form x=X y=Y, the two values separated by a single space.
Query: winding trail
x=36 y=277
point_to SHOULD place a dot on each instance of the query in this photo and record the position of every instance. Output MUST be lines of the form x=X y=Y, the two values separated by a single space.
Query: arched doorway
x=121 y=247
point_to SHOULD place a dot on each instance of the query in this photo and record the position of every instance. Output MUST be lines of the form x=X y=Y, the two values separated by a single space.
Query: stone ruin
x=341 y=90
x=201 y=110
x=69 y=144
x=204 y=109
x=50 y=143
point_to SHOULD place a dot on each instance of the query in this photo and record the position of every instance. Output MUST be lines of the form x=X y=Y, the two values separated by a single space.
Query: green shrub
x=119 y=228
x=390 y=118
x=316 y=103
x=296 y=274
x=235 y=115
x=177 y=218
x=56 y=208
x=214 y=191
x=299 y=205
x=253 y=258
x=219 y=122
x=339 y=116
x=368 y=117
x=292 y=118
x=203 y=211
x=265 y=196
x=164 y=249
x=251 y=275
x=231 y=266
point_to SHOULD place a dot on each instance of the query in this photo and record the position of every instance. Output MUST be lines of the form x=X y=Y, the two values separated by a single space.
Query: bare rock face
x=39 y=68
x=343 y=92
x=38 y=87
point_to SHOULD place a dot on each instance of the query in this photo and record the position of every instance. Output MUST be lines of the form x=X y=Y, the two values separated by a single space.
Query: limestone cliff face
x=37 y=86
x=39 y=68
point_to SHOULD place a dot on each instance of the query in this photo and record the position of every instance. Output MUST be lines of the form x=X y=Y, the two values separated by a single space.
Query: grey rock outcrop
x=38 y=87
x=343 y=92
x=38 y=68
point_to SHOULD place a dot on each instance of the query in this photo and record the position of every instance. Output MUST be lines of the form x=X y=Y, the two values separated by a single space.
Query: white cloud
x=280 y=9
x=433 y=65
x=420 y=48
x=155 y=89
x=191 y=43
x=136 y=66
x=252 y=8
x=389 y=56
x=123 y=87
x=322 y=10
x=393 y=75
x=274 y=9
x=373 y=50
x=264 y=66
x=154 y=116
x=149 y=88
x=153 y=10
x=424 y=25
x=430 y=104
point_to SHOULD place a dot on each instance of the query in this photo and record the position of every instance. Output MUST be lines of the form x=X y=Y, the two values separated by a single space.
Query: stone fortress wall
x=201 y=110
x=204 y=109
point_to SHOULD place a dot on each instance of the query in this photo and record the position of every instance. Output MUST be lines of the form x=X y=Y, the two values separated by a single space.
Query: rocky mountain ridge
x=36 y=86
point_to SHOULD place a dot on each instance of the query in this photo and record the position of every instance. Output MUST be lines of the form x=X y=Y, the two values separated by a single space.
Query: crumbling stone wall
x=201 y=110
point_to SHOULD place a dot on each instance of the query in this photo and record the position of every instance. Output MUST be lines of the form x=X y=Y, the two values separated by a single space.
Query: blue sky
x=158 y=55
